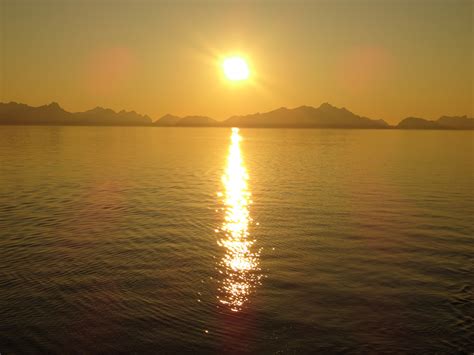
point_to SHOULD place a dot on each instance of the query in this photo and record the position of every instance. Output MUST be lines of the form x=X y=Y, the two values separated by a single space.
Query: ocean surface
x=210 y=240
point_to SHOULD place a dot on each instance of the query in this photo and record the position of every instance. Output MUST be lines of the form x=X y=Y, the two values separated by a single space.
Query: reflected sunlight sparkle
x=240 y=264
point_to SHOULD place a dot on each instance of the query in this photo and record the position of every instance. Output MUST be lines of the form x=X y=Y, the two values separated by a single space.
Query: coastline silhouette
x=324 y=116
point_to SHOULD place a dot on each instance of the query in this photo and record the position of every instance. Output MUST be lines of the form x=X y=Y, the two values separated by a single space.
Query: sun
x=235 y=68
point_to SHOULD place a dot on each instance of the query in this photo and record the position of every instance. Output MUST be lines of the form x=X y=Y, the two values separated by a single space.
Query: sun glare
x=235 y=68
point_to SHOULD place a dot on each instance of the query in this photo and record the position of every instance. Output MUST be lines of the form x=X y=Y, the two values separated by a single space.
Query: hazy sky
x=382 y=58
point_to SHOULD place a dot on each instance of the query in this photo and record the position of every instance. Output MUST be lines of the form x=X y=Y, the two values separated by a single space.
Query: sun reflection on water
x=240 y=264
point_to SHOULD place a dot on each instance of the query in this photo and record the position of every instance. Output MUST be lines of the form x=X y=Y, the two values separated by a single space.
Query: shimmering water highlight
x=240 y=263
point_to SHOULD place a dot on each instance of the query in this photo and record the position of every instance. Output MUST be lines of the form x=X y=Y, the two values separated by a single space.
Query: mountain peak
x=281 y=109
x=304 y=108
x=54 y=106
x=168 y=120
x=327 y=105
x=99 y=109
x=170 y=116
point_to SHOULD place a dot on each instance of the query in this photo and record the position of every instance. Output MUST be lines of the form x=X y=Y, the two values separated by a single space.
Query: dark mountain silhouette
x=197 y=121
x=167 y=120
x=444 y=122
x=53 y=114
x=456 y=122
x=417 y=123
x=187 y=121
x=108 y=117
x=325 y=116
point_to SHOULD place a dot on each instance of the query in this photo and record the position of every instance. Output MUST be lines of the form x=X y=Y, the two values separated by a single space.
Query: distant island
x=324 y=116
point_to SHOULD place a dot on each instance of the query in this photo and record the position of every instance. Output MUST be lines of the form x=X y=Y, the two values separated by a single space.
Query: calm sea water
x=129 y=240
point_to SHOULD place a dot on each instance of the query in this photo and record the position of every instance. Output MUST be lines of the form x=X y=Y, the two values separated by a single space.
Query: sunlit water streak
x=240 y=264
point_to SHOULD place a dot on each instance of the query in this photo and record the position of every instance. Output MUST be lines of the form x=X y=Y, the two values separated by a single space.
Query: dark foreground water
x=116 y=240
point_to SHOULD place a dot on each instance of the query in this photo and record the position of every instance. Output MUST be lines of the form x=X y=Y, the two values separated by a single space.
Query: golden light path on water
x=240 y=264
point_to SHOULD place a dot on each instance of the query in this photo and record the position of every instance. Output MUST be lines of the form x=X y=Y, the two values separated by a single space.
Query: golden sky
x=380 y=58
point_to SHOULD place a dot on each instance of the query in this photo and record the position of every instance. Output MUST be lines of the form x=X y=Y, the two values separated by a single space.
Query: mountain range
x=444 y=122
x=324 y=116
x=20 y=114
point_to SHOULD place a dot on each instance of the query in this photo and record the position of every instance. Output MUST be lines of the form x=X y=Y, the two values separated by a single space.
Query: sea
x=219 y=240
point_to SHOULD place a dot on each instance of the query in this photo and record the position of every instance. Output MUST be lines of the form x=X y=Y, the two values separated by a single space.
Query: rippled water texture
x=258 y=240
